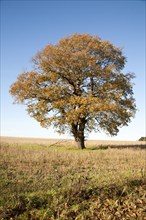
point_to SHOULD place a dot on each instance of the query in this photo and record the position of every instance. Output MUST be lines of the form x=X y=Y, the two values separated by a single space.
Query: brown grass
x=47 y=183
x=67 y=142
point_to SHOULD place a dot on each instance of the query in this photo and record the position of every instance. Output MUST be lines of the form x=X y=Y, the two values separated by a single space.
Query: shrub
x=142 y=139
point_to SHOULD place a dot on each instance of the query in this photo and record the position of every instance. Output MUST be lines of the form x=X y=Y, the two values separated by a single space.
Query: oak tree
x=78 y=85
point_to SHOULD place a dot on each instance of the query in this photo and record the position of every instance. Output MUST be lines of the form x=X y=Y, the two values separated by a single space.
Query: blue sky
x=27 y=26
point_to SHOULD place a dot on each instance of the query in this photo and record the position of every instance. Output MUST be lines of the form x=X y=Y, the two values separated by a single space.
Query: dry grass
x=64 y=183
x=67 y=142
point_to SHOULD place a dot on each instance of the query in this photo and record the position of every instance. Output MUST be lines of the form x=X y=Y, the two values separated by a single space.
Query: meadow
x=51 y=179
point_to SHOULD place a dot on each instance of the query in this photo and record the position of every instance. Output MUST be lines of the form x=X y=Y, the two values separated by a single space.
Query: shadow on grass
x=106 y=147
x=27 y=203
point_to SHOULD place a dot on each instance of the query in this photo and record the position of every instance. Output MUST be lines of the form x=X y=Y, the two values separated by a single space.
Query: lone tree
x=77 y=85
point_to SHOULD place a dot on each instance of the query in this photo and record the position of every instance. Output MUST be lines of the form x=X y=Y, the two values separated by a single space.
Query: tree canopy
x=77 y=85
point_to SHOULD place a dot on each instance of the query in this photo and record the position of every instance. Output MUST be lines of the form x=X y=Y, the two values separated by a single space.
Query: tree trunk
x=80 y=142
x=78 y=133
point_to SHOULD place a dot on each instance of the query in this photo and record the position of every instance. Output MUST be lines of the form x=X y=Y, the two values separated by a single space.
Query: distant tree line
x=142 y=139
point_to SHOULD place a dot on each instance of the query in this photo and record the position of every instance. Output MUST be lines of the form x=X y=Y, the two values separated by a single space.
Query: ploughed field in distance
x=51 y=179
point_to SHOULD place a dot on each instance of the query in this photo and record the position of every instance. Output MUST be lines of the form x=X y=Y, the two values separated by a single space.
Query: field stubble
x=40 y=182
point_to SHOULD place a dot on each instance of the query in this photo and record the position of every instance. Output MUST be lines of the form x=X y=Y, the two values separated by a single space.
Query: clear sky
x=28 y=26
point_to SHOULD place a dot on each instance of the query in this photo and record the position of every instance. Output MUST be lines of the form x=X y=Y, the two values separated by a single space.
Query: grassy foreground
x=39 y=182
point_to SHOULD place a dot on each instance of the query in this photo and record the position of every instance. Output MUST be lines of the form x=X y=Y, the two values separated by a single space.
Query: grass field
x=67 y=142
x=51 y=179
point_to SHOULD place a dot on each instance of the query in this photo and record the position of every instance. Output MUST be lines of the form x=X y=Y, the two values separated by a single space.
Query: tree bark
x=80 y=143
x=78 y=133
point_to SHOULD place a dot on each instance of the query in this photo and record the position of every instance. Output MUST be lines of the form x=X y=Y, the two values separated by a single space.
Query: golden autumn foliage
x=78 y=85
